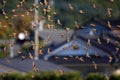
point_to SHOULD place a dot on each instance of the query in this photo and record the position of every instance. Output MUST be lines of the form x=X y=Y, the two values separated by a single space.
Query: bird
x=3 y=12
x=109 y=10
x=67 y=29
x=81 y=11
x=99 y=41
x=45 y=2
x=48 y=51
x=94 y=5
x=94 y=64
x=34 y=67
x=109 y=24
x=76 y=24
x=23 y=58
x=110 y=59
x=89 y=42
x=108 y=40
x=81 y=59
x=68 y=39
x=74 y=46
x=8 y=60
x=30 y=56
x=70 y=7
x=87 y=55
x=117 y=49
x=65 y=58
x=40 y=51
x=19 y=52
x=58 y=22
x=13 y=10
x=62 y=35
x=61 y=71
x=92 y=25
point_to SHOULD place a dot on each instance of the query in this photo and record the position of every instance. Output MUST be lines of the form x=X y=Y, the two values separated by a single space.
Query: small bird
x=45 y=2
x=94 y=64
x=58 y=22
x=81 y=59
x=62 y=35
x=87 y=55
x=13 y=10
x=19 y=52
x=81 y=11
x=85 y=48
x=108 y=40
x=3 y=12
x=65 y=58
x=34 y=67
x=48 y=51
x=23 y=58
x=92 y=25
x=68 y=39
x=40 y=51
x=30 y=56
x=89 y=42
x=57 y=58
x=109 y=24
x=70 y=7
x=61 y=71
x=99 y=41
x=74 y=46
x=8 y=61
x=110 y=59
x=109 y=10
x=94 y=5
x=117 y=49
x=76 y=24
x=67 y=29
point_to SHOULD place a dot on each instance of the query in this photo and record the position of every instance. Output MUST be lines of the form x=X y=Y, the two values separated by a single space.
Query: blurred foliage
x=95 y=76
x=115 y=77
x=40 y=76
